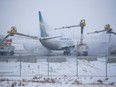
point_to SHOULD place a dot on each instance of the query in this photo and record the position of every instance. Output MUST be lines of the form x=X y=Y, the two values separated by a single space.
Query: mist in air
x=59 y=13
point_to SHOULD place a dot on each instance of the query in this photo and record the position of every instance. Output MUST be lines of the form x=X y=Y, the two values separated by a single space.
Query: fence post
x=20 y=65
x=48 y=65
x=106 y=64
x=77 y=65
x=38 y=69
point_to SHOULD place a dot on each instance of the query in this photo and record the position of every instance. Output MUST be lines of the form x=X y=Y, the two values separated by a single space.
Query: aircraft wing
x=46 y=38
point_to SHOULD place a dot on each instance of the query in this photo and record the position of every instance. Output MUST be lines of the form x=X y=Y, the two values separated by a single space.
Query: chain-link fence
x=58 y=66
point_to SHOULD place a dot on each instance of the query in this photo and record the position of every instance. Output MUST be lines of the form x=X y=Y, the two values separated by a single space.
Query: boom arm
x=68 y=27
x=82 y=25
x=113 y=33
x=107 y=28
x=13 y=32
x=33 y=37
x=96 y=31
x=4 y=38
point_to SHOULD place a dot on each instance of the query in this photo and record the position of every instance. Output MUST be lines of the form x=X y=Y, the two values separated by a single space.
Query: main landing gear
x=67 y=52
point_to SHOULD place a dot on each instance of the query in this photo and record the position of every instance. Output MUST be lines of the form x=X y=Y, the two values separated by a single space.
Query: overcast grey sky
x=57 y=13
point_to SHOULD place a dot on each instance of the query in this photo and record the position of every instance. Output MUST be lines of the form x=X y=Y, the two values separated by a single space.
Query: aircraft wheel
x=12 y=53
x=67 y=52
x=64 y=53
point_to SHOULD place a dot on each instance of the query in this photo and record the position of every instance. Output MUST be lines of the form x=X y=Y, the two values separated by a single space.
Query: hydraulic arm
x=107 y=28
x=13 y=32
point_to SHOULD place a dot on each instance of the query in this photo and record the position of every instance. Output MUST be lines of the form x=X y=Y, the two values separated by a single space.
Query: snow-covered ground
x=64 y=74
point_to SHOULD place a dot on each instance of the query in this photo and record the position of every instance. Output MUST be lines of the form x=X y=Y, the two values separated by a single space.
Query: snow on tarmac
x=62 y=74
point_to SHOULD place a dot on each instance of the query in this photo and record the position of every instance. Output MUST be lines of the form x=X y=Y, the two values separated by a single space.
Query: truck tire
x=3 y=53
x=12 y=53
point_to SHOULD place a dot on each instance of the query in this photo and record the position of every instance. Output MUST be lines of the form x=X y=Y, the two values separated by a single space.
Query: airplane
x=54 y=43
x=49 y=42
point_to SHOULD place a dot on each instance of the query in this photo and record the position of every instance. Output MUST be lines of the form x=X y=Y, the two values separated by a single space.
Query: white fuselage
x=57 y=43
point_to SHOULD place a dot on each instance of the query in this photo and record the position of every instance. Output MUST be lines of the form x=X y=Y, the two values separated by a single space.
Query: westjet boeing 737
x=54 y=43
x=51 y=43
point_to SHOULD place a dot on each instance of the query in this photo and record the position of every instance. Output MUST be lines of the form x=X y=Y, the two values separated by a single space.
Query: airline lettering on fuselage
x=67 y=39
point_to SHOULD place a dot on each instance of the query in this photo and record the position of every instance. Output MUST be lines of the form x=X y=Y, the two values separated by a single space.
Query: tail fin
x=43 y=32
